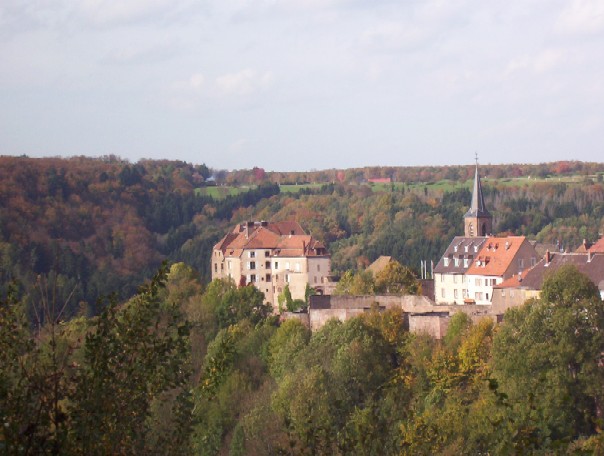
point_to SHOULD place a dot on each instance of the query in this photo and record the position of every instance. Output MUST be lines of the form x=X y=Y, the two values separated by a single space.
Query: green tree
x=358 y=284
x=132 y=357
x=567 y=286
x=396 y=279
x=546 y=358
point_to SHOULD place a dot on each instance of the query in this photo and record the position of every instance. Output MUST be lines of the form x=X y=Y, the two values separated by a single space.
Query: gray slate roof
x=459 y=249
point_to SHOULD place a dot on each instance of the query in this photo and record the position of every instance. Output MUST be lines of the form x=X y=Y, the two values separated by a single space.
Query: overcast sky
x=304 y=84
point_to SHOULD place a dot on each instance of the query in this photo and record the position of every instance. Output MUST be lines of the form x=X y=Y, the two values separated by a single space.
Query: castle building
x=474 y=263
x=271 y=256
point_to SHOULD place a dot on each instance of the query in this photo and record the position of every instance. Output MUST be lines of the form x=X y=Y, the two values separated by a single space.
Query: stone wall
x=424 y=315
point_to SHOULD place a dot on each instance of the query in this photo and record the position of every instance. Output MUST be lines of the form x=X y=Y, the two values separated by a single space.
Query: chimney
x=520 y=277
x=589 y=256
x=507 y=245
x=548 y=257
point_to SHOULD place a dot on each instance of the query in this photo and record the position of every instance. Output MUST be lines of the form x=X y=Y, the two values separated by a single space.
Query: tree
x=567 y=286
x=132 y=357
x=546 y=358
x=396 y=279
x=361 y=283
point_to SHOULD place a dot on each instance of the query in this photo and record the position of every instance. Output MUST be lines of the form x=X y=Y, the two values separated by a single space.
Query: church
x=477 y=261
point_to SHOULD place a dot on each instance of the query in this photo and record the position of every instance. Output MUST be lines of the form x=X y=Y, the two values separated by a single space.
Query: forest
x=113 y=340
x=183 y=368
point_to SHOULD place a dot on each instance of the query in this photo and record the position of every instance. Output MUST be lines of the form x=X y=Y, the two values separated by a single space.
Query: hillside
x=97 y=226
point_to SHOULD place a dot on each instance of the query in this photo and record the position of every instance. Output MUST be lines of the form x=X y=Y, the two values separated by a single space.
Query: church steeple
x=477 y=221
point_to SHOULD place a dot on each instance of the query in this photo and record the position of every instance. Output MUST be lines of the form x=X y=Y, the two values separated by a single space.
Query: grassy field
x=432 y=187
x=221 y=192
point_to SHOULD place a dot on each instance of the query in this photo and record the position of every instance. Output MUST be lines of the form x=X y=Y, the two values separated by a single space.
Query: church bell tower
x=478 y=221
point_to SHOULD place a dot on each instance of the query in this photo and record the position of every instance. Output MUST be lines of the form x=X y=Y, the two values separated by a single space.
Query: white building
x=271 y=256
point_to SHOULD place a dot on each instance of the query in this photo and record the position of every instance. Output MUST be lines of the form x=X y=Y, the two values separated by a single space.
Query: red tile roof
x=284 y=238
x=496 y=256
x=598 y=246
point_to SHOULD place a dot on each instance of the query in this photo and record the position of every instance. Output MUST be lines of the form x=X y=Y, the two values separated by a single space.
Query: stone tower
x=477 y=221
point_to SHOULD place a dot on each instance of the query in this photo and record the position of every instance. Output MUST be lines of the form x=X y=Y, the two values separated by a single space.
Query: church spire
x=477 y=207
x=478 y=221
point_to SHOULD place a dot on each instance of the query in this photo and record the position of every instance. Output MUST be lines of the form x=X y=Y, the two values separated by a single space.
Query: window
x=215 y=267
x=315 y=279
x=487 y=296
x=456 y=262
x=454 y=278
x=318 y=268
x=478 y=282
x=253 y=278
x=521 y=263
x=251 y=254
x=465 y=249
x=465 y=263
x=478 y=296
x=276 y=265
x=503 y=293
x=533 y=261
x=267 y=264
x=252 y=265
x=442 y=292
x=229 y=265
x=287 y=278
x=446 y=262
x=455 y=293
x=268 y=277
x=222 y=266
x=287 y=265
x=267 y=253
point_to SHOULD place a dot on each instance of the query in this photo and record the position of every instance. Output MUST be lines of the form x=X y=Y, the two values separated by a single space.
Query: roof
x=598 y=246
x=461 y=248
x=496 y=256
x=378 y=265
x=477 y=207
x=590 y=265
x=283 y=238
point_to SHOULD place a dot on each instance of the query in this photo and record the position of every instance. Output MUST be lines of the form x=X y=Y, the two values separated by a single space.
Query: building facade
x=474 y=263
x=271 y=256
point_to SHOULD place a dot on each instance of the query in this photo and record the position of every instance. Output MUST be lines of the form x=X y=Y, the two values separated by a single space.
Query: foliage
x=396 y=279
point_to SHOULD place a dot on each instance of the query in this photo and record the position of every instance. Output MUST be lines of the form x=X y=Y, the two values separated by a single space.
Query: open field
x=441 y=186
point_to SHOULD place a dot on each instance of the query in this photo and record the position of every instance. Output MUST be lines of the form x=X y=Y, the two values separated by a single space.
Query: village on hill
x=480 y=273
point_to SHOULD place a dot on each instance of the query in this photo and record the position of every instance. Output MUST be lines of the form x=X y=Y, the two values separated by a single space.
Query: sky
x=296 y=85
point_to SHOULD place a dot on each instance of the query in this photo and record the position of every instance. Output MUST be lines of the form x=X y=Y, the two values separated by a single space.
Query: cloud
x=130 y=54
x=582 y=17
x=59 y=14
x=243 y=82
x=392 y=36
x=542 y=62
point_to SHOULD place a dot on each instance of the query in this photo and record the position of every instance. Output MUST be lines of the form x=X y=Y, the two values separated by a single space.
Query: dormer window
x=465 y=249
x=446 y=261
